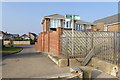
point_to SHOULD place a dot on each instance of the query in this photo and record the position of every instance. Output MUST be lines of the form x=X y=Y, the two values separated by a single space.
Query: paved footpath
x=28 y=64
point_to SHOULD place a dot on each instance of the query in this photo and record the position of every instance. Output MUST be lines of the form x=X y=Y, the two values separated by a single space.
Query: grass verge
x=21 y=45
x=10 y=50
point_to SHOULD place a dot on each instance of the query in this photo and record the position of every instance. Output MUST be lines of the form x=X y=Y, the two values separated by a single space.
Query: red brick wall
x=38 y=43
x=49 y=42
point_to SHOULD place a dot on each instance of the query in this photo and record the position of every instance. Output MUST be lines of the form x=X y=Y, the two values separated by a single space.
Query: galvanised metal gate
x=104 y=44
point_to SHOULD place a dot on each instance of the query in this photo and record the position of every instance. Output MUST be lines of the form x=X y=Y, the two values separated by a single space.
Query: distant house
x=51 y=22
x=8 y=36
x=5 y=35
x=111 y=23
x=24 y=37
x=1 y=38
x=2 y=34
x=32 y=36
x=15 y=35
x=84 y=26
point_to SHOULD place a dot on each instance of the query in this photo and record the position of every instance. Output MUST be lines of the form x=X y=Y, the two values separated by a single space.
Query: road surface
x=29 y=64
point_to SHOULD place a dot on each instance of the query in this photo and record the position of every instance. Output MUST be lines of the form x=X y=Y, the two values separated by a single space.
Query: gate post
x=67 y=54
x=115 y=48
x=92 y=40
x=118 y=53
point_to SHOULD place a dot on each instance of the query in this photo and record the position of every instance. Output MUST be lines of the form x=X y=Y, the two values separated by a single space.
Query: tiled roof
x=33 y=34
x=15 y=35
x=1 y=32
x=25 y=35
x=83 y=22
x=109 y=20
x=55 y=16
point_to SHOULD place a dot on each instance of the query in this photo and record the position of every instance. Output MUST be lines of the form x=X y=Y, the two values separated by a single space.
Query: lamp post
x=72 y=18
x=72 y=34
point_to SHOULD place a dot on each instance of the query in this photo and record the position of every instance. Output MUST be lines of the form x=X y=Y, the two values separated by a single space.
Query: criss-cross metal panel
x=106 y=44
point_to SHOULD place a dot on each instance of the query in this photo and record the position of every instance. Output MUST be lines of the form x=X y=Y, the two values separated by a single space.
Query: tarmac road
x=29 y=64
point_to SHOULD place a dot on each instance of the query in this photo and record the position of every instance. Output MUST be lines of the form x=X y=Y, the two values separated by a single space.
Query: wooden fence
x=105 y=44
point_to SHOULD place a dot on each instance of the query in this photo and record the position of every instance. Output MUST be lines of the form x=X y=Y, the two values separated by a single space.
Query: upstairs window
x=54 y=23
x=79 y=27
x=68 y=24
x=63 y=24
x=88 y=27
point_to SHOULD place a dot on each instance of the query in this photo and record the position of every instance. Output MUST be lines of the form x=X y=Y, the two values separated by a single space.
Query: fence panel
x=106 y=44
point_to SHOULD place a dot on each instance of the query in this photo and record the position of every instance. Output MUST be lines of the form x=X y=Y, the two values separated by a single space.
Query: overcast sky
x=24 y=17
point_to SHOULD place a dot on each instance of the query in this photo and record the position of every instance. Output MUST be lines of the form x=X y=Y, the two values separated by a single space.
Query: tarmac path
x=29 y=64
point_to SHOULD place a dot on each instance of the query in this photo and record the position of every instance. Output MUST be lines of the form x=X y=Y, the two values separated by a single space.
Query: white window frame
x=54 y=23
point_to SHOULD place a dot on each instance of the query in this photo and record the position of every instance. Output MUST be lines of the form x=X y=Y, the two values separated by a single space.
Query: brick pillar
x=43 y=41
x=40 y=45
x=48 y=34
x=59 y=31
x=47 y=24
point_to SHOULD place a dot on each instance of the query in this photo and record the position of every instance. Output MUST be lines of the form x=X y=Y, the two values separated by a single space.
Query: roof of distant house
x=83 y=22
x=33 y=34
x=25 y=35
x=109 y=20
x=1 y=32
x=55 y=16
x=15 y=35
x=5 y=33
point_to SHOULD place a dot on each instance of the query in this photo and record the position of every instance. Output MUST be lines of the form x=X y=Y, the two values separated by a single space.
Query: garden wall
x=17 y=42
x=49 y=42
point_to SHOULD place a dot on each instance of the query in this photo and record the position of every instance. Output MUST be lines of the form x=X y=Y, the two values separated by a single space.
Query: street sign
x=75 y=17
x=68 y=16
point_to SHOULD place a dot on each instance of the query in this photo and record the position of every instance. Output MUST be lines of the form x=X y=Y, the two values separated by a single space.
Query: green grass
x=21 y=44
x=10 y=50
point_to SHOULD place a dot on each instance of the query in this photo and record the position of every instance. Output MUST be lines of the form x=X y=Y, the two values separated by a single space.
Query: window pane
x=63 y=24
x=54 y=23
x=81 y=27
x=51 y=23
x=76 y=27
x=59 y=22
x=88 y=27
x=67 y=24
